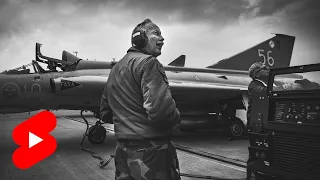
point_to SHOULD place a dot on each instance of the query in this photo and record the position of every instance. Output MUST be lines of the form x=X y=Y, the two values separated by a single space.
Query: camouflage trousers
x=146 y=160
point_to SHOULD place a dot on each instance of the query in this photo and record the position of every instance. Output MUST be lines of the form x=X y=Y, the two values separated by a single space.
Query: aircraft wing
x=206 y=70
x=202 y=97
x=212 y=87
x=203 y=92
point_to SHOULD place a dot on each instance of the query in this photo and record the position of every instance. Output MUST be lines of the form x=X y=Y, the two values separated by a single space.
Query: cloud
x=17 y=17
x=288 y=15
x=204 y=30
x=21 y=17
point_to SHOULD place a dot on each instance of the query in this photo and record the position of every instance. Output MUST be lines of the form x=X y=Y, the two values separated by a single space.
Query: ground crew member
x=259 y=74
x=138 y=100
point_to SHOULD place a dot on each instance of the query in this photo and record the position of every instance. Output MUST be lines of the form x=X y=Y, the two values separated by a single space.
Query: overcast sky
x=206 y=31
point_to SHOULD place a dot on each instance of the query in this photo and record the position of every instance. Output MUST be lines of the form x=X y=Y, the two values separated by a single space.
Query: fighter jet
x=202 y=94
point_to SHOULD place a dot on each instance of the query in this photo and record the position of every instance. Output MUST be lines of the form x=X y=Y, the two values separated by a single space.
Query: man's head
x=147 y=36
x=259 y=71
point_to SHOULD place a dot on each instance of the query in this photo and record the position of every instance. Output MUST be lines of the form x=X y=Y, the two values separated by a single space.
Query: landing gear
x=96 y=133
x=235 y=128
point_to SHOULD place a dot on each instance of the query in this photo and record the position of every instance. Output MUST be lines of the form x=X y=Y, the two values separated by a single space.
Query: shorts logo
x=34 y=140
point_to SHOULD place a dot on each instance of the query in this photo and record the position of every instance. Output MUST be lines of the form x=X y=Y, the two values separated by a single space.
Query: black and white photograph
x=159 y=90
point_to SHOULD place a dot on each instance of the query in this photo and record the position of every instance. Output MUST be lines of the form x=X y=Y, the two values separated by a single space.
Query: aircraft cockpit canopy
x=310 y=81
x=25 y=69
x=69 y=62
x=31 y=68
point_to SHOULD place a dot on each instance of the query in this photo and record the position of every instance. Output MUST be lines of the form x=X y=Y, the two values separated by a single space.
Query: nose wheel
x=96 y=133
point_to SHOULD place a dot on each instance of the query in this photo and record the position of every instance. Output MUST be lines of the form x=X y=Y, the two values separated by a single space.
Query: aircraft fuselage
x=82 y=89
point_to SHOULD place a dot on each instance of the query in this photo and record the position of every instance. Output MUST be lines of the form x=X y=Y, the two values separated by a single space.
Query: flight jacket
x=256 y=86
x=138 y=98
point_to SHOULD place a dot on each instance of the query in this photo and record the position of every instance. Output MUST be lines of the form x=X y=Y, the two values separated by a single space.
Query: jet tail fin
x=180 y=61
x=275 y=52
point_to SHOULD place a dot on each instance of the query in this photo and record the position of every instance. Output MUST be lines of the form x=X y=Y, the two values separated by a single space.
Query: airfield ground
x=70 y=162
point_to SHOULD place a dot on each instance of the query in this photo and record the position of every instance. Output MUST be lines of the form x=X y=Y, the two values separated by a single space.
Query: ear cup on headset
x=139 y=38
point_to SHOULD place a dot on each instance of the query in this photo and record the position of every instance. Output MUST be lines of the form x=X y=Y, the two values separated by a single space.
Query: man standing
x=259 y=74
x=138 y=100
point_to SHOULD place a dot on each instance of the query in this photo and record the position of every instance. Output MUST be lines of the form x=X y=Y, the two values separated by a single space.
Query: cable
x=102 y=163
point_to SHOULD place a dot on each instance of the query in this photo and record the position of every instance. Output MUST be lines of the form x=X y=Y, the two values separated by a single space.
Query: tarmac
x=69 y=162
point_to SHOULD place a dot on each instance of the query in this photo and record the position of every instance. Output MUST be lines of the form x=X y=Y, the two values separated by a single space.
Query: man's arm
x=105 y=110
x=256 y=88
x=157 y=99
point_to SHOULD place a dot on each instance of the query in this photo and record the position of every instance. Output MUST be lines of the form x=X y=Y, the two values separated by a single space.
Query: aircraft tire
x=96 y=134
x=235 y=128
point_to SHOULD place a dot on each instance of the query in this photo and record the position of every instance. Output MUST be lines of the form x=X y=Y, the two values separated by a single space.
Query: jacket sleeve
x=157 y=99
x=105 y=110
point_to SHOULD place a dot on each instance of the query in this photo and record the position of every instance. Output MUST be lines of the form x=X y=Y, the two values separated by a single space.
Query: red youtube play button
x=34 y=140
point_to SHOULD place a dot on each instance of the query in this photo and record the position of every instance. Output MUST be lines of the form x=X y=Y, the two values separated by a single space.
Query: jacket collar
x=135 y=49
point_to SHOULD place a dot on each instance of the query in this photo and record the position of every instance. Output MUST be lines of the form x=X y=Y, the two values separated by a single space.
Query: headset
x=139 y=37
